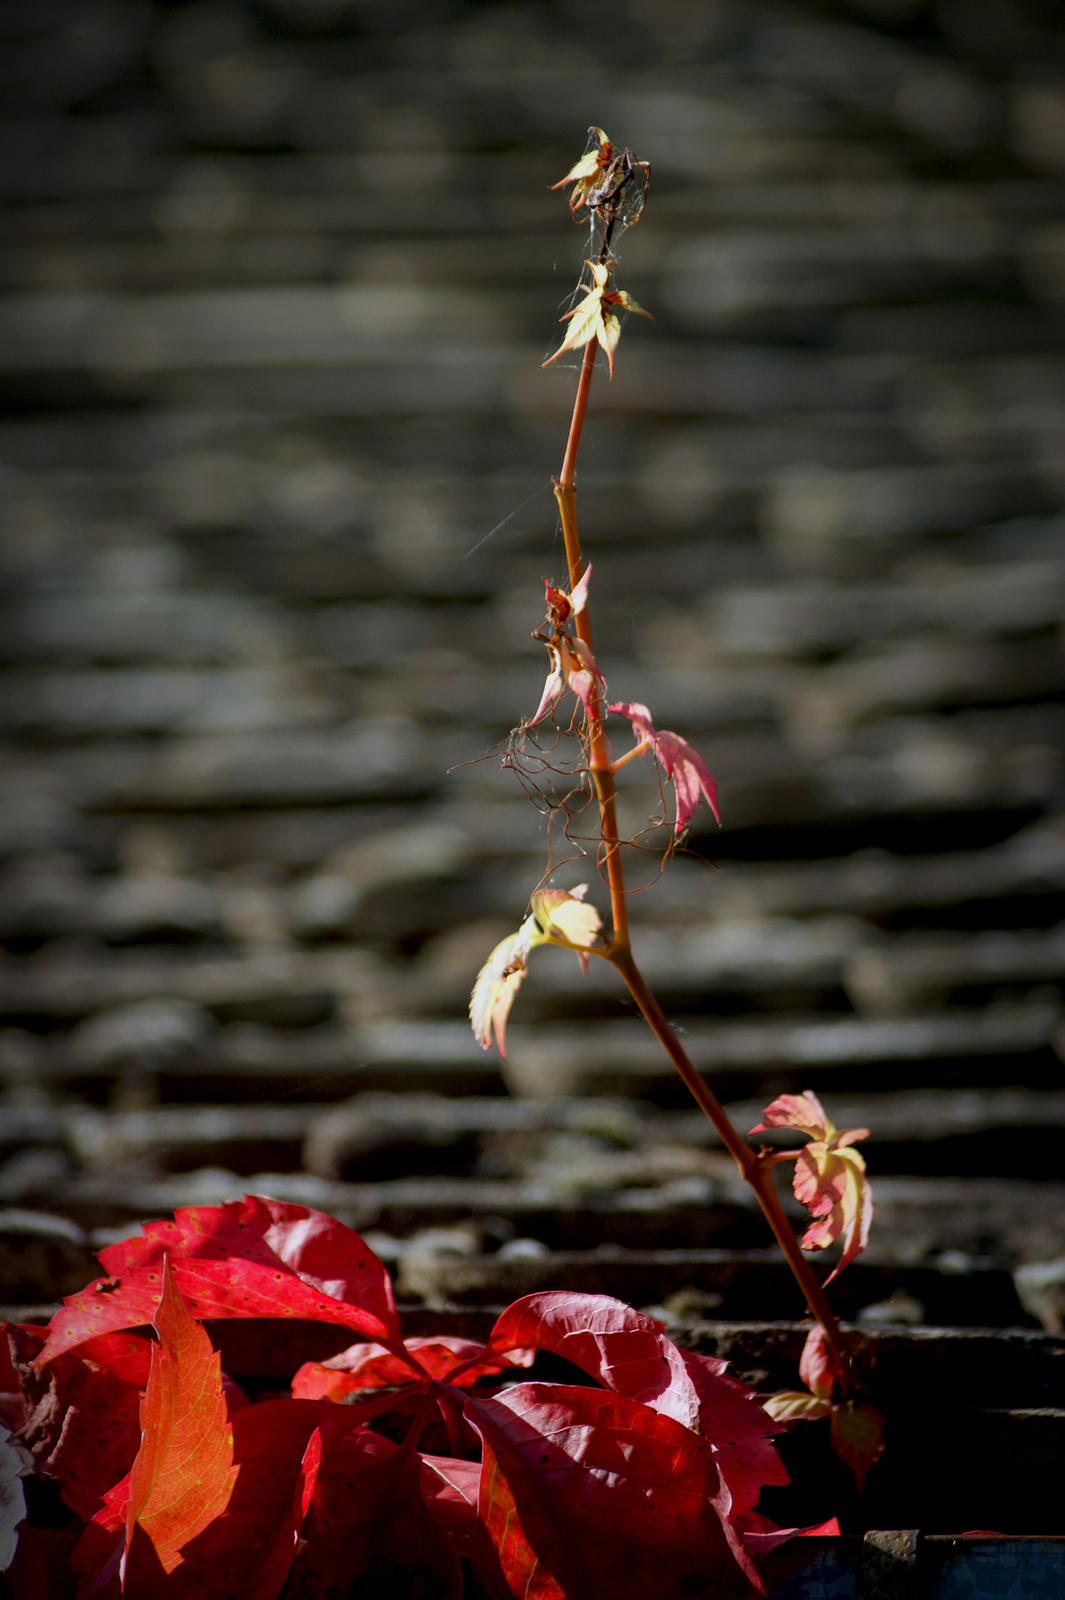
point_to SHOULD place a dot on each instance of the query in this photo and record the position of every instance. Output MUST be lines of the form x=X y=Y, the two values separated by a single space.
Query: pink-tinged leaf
x=256 y=1258
x=498 y=982
x=801 y=1111
x=451 y=1487
x=640 y=717
x=371 y=1366
x=689 y=773
x=183 y=1475
x=858 y=1438
x=760 y=1540
x=816 y=1366
x=829 y=1176
x=82 y=1424
x=691 y=777
x=579 y=598
x=832 y=1185
x=553 y=686
x=739 y=1429
x=580 y=671
x=369 y=1529
x=795 y=1405
x=591 y=1496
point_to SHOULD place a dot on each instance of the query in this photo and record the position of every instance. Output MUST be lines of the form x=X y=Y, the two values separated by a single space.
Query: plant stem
x=451 y=1411
x=756 y=1170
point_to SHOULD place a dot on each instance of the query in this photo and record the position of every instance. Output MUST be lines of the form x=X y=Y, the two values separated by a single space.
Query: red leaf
x=739 y=1428
x=320 y=1251
x=451 y=1489
x=629 y=1353
x=689 y=772
x=183 y=1475
x=249 y=1551
x=256 y=1258
x=619 y=1347
x=590 y=1496
x=371 y=1366
x=83 y=1417
x=858 y=1438
x=369 y=1527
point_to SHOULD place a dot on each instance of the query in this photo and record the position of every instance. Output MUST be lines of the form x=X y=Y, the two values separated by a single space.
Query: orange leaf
x=184 y=1474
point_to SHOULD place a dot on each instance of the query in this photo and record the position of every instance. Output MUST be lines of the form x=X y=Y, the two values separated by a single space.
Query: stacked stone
x=275 y=467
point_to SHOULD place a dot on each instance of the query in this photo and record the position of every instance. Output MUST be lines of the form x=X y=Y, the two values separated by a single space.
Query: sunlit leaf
x=498 y=982
x=564 y=914
x=371 y=1366
x=829 y=1176
x=688 y=771
x=593 y=317
x=795 y=1405
x=252 y=1258
x=629 y=1353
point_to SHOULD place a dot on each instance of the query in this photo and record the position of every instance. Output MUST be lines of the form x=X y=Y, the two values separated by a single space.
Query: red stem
x=756 y=1169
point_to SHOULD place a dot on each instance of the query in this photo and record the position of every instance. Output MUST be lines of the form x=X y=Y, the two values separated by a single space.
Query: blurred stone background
x=275 y=461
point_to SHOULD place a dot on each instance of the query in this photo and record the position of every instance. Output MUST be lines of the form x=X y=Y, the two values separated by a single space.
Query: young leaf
x=858 y=1438
x=572 y=667
x=829 y=1176
x=816 y=1368
x=594 y=318
x=587 y=171
x=689 y=773
x=563 y=914
x=371 y=1366
x=183 y=1476
x=591 y=1496
x=255 y=1258
x=561 y=606
x=794 y=1405
x=498 y=982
